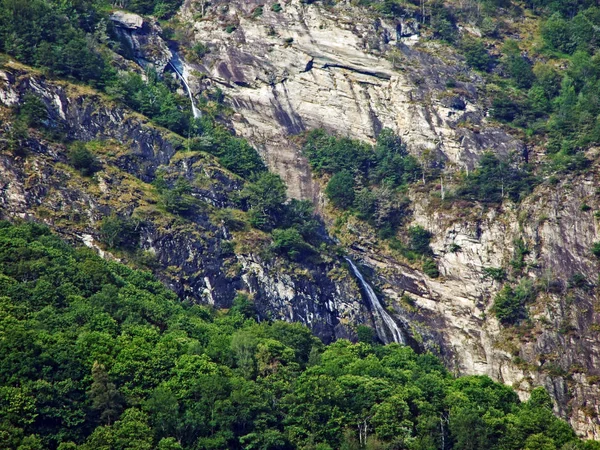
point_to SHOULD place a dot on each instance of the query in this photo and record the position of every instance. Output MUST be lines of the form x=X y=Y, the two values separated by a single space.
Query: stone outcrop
x=141 y=40
x=344 y=70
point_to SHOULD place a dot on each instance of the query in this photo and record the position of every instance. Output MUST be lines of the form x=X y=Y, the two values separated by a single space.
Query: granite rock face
x=545 y=241
x=141 y=40
x=343 y=70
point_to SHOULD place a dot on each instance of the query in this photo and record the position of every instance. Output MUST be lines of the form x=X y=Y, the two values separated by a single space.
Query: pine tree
x=104 y=395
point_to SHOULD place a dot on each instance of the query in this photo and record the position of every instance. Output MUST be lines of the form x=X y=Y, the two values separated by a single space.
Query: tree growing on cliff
x=83 y=160
x=510 y=303
x=340 y=189
x=265 y=197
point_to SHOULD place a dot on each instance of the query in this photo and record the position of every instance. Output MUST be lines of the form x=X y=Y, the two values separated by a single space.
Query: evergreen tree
x=104 y=395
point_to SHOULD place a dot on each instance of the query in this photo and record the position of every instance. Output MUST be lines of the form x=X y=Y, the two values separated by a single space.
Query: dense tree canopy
x=98 y=356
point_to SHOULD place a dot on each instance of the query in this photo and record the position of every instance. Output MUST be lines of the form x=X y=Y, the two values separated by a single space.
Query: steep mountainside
x=202 y=257
x=504 y=287
x=346 y=69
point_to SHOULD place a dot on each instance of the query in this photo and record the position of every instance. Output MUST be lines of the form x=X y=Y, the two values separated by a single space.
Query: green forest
x=98 y=356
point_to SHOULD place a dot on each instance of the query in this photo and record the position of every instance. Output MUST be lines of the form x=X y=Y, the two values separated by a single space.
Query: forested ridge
x=99 y=356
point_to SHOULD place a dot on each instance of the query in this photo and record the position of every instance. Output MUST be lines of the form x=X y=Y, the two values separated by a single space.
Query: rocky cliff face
x=558 y=348
x=344 y=70
x=309 y=66
x=199 y=256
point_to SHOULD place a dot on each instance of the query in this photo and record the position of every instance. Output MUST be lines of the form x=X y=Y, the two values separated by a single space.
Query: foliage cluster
x=119 y=232
x=161 y=8
x=496 y=179
x=235 y=154
x=417 y=248
x=293 y=223
x=510 y=303
x=30 y=112
x=82 y=159
x=560 y=105
x=71 y=39
x=539 y=97
x=153 y=98
x=366 y=179
x=98 y=356
x=55 y=35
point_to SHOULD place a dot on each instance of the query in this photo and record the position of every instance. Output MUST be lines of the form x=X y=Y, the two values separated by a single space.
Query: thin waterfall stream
x=177 y=66
x=378 y=309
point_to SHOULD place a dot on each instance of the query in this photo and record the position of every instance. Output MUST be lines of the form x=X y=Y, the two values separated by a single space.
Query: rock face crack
x=380 y=75
x=309 y=66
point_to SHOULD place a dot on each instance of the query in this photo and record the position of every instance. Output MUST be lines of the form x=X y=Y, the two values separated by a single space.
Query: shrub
x=300 y=214
x=509 y=304
x=495 y=273
x=290 y=242
x=118 y=232
x=83 y=160
x=340 y=189
x=365 y=203
x=265 y=197
x=419 y=240
x=494 y=179
x=32 y=110
x=596 y=249
x=328 y=154
x=442 y=22
x=476 y=54
x=276 y=7
x=17 y=136
x=365 y=334
x=233 y=220
x=557 y=34
x=199 y=50
x=235 y=154
x=393 y=165
x=244 y=306
x=516 y=66
x=178 y=200
x=258 y=11
x=430 y=268
x=578 y=280
x=504 y=108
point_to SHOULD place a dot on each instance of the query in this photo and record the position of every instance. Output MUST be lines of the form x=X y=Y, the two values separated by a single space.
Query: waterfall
x=177 y=66
x=378 y=309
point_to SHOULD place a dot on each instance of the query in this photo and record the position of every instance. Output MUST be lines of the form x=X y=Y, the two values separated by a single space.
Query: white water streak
x=377 y=308
x=195 y=111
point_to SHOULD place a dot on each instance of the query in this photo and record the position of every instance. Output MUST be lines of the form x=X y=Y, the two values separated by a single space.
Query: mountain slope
x=351 y=70
x=488 y=260
x=96 y=355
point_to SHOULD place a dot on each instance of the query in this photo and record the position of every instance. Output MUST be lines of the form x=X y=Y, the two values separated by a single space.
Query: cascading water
x=177 y=66
x=378 y=309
